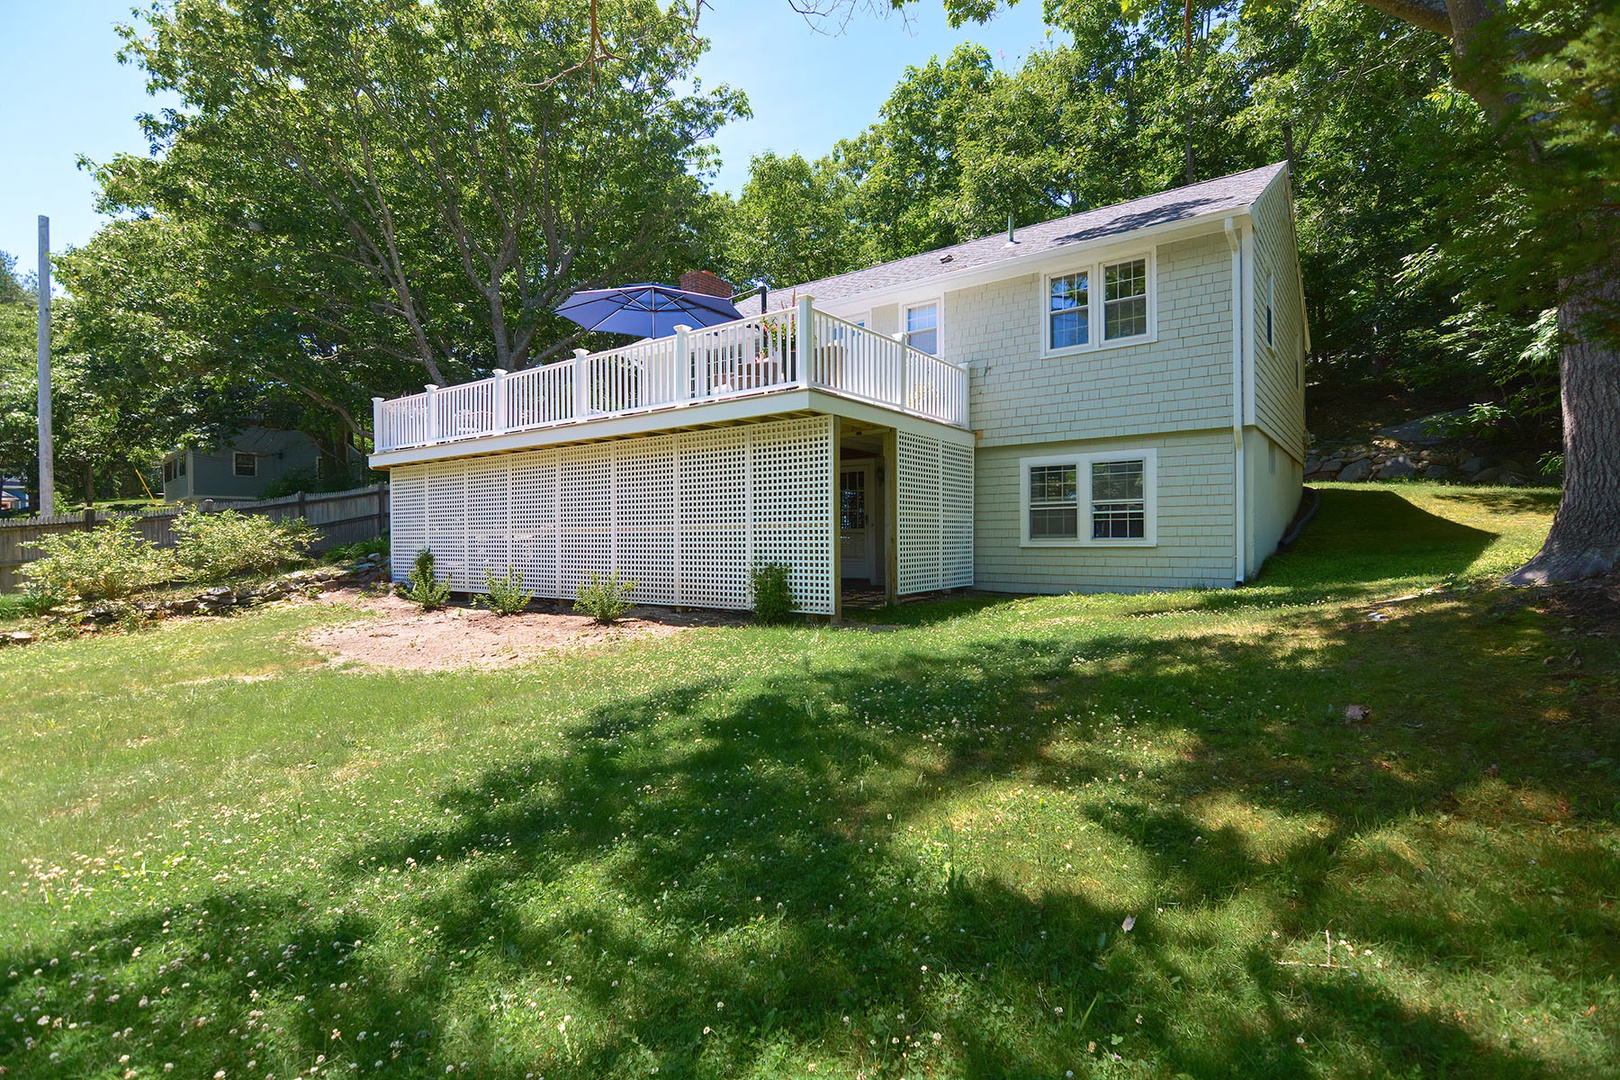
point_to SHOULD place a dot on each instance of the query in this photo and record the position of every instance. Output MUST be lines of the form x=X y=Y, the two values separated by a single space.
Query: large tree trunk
x=1585 y=536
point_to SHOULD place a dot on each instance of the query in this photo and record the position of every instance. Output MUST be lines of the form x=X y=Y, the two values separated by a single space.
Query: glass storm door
x=854 y=531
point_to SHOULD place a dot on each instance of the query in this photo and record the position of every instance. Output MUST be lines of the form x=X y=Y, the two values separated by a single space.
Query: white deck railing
x=760 y=355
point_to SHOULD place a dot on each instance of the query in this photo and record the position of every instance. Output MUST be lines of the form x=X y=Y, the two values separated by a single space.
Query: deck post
x=891 y=516
x=376 y=426
x=807 y=338
x=837 y=524
x=432 y=413
x=683 y=363
x=582 y=389
x=497 y=421
x=900 y=375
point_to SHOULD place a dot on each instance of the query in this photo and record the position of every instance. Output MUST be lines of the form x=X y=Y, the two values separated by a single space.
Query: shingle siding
x=1195 y=542
x=1279 y=397
x=1181 y=381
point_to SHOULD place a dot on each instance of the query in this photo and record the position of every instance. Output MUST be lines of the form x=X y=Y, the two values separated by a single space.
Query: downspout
x=1239 y=494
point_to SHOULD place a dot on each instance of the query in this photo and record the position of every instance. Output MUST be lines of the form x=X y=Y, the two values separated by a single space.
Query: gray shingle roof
x=1227 y=194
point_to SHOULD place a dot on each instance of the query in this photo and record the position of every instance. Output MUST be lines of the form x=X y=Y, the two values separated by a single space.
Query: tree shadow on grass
x=723 y=877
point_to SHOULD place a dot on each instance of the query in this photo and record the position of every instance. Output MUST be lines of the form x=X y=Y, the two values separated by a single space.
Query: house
x=13 y=495
x=240 y=471
x=1112 y=401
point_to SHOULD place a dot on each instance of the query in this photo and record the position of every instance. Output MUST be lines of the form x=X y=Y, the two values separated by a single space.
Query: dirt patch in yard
x=403 y=636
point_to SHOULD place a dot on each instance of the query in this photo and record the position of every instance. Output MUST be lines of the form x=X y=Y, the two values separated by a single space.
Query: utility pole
x=47 y=465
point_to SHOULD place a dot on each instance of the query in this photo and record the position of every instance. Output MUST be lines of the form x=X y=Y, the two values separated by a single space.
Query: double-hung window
x=922 y=328
x=245 y=465
x=1099 y=499
x=1080 y=316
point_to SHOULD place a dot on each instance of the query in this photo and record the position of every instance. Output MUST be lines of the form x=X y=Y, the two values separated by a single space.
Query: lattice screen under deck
x=790 y=467
x=407 y=502
x=935 y=503
x=685 y=515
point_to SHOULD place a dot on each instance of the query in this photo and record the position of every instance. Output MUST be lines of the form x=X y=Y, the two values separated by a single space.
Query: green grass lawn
x=806 y=851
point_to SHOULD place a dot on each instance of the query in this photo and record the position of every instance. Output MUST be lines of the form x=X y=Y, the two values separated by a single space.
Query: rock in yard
x=1441 y=472
x=17 y=637
x=1398 y=467
x=1492 y=475
x=1474 y=465
x=1356 y=471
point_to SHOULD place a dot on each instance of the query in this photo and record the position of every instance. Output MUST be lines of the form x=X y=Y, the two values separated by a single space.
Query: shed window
x=245 y=464
x=1125 y=306
x=922 y=328
x=1068 y=314
x=169 y=473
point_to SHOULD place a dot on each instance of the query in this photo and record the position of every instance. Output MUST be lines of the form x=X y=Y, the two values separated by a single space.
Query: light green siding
x=1181 y=381
x=1195 y=542
x=1278 y=394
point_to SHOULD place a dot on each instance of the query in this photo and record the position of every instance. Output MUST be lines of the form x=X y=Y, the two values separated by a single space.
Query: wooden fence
x=343 y=517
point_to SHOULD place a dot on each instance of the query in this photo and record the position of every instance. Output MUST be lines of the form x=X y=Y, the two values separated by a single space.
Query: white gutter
x=1240 y=510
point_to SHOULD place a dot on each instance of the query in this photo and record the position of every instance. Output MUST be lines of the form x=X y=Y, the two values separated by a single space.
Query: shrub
x=505 y=595
x=105 y=563
x=224 y=543
x=420 y=587
x=773 y=595
x=377 y=545
x=604 y=599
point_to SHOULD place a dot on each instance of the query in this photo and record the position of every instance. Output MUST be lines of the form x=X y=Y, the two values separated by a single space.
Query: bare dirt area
x=403 y=636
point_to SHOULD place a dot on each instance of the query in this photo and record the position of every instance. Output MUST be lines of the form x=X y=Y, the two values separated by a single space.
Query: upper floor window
x=245 y=464
x=922 y=328
x=1068 y=316
x=1079 y=317
x=1125 y=300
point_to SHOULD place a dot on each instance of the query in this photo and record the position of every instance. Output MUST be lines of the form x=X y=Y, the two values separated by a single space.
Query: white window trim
x=1095 y=289
x=938 y=304
x=1082 y=466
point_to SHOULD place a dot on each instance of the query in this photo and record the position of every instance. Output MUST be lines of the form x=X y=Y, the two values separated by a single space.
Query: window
x=1118 y=500
x=1120 y=312
x=1125 y=300
x=922 y=328
x=1271 y=295
x=1054 y=509
x=169 y=473
x=1101 y=499
x=1069 y=311
x=245 y=464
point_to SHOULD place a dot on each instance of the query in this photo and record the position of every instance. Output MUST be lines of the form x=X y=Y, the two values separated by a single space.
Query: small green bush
x=105 y=563
x=377 y=545
x=420 y=587
x=773 y=595
x=217 y=545
x=604 y=599
x=505 y=594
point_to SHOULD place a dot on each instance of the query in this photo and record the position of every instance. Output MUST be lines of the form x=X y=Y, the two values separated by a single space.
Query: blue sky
x=67 y=94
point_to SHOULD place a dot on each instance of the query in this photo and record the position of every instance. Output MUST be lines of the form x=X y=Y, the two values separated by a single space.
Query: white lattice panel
x=584 y=514
x=407 y=517
x=644 y=517
x=790 y=471
x=917 y=499
x=447 y=522
x=488 y=520
x=935 y=501
x=533 y=517
x=713 y=556
x=685 y=515
x=956 y=516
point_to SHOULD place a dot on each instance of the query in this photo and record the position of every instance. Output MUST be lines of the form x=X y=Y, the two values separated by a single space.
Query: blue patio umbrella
x=649 y=311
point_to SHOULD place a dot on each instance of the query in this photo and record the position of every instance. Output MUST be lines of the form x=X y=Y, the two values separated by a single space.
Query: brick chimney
x=707 y=282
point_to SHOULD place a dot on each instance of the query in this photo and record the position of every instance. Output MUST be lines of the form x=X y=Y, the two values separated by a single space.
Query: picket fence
x=341 y=517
